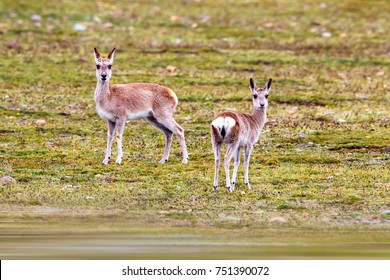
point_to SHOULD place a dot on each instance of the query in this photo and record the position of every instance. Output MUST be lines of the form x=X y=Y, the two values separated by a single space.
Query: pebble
x=171 y=68
x=40 y=122
x=6 y=179
x=36 y=18
x=293 y=110
x=79 y=27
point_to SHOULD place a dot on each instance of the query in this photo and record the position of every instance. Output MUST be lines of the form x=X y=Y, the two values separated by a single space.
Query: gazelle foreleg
x=110 y=136
x=120 y=126
x=247 y=155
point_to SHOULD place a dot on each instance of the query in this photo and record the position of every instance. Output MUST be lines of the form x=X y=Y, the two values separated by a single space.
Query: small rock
x=79 y=27
x=341 y=121
x=385 y=213
x=323 y=6
x=14 y=45
x=108 y=25
x=175 y=18
x=3 y=28
x=97 y=19
x=343 y=35
x=89 y=197
x=204 y=18
x=171 y=68
x=293 y=110
x=326 y=34
x=6 y=179
x=278 y=220
x=83 y=58
x=315 y=22
x=178 y=41
x=40 y=122
x=380 y=73
x=36 y=18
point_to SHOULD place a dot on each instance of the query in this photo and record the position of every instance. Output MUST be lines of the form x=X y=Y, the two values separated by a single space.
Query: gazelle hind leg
x=173 y=126
x=228 y=157
x=236 y=164
x=217 y=157
x=168 y=137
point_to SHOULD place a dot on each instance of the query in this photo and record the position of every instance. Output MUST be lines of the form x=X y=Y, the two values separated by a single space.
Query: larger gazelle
x=121 y=102
x=239 y=130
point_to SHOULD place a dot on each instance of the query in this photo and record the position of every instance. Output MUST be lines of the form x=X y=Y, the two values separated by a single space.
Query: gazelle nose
x=262 y=105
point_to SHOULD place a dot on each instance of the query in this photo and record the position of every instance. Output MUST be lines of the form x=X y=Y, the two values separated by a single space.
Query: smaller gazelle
x=239 y=130
x=119 y=103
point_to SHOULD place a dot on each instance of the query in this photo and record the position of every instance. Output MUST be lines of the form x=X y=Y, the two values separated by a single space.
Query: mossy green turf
x=321 y=166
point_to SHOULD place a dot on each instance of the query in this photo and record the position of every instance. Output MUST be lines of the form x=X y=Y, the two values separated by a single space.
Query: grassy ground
x=320 y=172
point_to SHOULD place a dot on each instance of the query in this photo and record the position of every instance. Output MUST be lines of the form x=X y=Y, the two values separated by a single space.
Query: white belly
x=139 y=115
x=130 y=116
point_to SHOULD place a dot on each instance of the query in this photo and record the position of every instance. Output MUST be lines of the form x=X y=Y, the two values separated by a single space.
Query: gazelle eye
x=255 y=96
x=266 y=96
x=109 y=66
x=98 y=66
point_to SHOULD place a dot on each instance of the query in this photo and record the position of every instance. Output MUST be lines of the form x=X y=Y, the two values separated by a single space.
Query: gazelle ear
x=268 y=85
x=111 y=55
x=252 y=85
x=96 y=54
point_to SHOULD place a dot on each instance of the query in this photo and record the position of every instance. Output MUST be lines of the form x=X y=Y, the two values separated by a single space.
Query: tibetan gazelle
x=119 y=103
x=239 y=130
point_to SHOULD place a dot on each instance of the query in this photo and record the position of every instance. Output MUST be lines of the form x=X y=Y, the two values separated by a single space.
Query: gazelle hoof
x=163 y=161
x=185 y=160
x=215 y=188
x=118 y=161
x=248 y=186
x=105 y=161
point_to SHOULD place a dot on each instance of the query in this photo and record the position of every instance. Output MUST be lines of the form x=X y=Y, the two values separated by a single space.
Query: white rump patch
x=223 y=123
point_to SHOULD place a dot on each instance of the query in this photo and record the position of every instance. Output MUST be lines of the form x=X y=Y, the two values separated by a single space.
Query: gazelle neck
x=102 y=89
x=260 y=116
